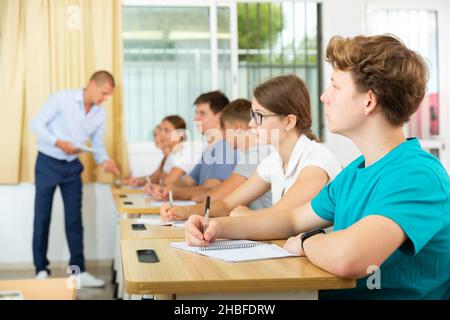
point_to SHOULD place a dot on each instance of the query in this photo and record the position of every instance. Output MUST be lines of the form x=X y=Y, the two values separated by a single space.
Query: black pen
x=207 y=207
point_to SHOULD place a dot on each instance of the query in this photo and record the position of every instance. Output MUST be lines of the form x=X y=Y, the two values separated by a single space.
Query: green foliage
x=258 y=25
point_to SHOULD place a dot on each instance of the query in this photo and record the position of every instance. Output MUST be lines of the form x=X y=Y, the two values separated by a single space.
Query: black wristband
x=310 y=234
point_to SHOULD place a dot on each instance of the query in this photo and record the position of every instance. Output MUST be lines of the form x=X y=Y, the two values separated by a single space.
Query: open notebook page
x=158 y=222
x=154 y=222
x=237 y=250
x=146 y=201
x=180 y=203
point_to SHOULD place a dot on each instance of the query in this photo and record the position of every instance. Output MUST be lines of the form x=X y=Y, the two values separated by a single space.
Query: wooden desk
x=139 y=204
x=125 y=190
x=152 y=232
x=49 y=289
x=180 y=272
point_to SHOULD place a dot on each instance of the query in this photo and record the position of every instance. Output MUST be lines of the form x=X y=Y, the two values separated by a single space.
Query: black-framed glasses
x=258 y=117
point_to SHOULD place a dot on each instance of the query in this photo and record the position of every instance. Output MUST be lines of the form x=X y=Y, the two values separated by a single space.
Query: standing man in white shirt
x=68 y=120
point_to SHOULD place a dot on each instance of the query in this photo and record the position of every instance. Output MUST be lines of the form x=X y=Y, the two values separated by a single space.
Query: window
x=173 y=53
x=279 y=38
x=418 y=29
x=167 y=64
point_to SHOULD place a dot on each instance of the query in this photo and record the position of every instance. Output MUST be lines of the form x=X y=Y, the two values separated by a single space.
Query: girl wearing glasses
x=295 y=171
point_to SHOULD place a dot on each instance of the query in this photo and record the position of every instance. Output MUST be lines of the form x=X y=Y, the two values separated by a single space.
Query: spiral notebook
x=158 y=222
x=237 y=250
x=179 y=203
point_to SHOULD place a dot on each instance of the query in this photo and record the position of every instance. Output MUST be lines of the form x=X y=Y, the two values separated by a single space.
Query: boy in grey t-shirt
x=234 y=121
x=247 y=166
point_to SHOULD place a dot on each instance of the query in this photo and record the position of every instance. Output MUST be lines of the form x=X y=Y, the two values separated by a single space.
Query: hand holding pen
x=160 y=192
x=200 y=231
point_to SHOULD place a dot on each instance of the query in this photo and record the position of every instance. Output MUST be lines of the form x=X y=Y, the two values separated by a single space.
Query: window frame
x=442 y=9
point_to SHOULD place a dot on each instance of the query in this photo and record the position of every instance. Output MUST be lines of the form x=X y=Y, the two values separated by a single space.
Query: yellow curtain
x=49 y=45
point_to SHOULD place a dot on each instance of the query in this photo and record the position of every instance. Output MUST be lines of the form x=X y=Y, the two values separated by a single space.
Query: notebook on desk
x=180 y=203
x=179 y=224
x=237 y=250
x=146 y=201
x=158 y=222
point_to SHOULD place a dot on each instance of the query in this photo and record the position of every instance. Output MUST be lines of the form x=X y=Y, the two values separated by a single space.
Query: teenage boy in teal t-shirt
x=410 y=187
x=390 y=207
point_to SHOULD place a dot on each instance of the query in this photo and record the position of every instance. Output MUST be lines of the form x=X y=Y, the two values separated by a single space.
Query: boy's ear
x=371 y=103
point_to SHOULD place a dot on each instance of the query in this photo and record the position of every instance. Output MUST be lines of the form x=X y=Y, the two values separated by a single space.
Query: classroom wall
x=16 y=221
x=338 y=19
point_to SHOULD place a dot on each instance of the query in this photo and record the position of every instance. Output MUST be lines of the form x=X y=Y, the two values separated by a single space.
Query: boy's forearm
x=218 y=209
x=189 y=192
x=265 y=226
x=329 y=253
x=264 y=210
